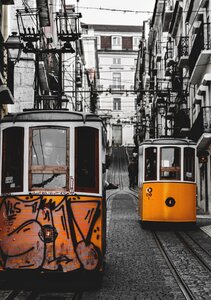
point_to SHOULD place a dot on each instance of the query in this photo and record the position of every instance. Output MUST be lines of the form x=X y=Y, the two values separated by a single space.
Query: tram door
x=117 y=134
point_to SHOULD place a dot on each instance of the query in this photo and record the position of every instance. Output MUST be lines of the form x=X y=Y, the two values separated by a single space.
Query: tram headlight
x=170 y=202
x=48 y=233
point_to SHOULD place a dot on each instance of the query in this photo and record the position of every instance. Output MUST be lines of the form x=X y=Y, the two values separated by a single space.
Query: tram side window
x=12 y=160
x=170 y=163
x=87 y=159
x=151 y=163
x=48 y=158
x=189 y=164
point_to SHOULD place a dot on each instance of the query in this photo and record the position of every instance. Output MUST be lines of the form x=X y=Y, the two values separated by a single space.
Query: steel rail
x=194 y=253
x=181 y=283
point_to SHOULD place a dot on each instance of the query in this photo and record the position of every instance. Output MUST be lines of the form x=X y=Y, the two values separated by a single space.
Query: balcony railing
x=116 y=88
x=202 y=123
x=183 y=47
x=169 y=54
x=200 y=43
x=162 y=87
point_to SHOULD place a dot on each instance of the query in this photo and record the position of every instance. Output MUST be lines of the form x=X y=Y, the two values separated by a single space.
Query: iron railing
x=201 y=42
x=116 y=87
x=202 y=123
x=183 y=47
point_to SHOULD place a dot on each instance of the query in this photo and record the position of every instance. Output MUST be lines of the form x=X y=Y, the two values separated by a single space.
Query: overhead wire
x=116 y=10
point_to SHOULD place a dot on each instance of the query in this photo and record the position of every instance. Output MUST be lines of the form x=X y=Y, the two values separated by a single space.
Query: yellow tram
x=167 y=187
x=52 y=204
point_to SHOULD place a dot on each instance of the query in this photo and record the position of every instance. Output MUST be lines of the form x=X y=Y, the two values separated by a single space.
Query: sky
x=141 y=10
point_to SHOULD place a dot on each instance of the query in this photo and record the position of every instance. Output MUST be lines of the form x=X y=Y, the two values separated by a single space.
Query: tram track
x=181 y=283
x=199 y=253
x=37 y=295
x=189 y=268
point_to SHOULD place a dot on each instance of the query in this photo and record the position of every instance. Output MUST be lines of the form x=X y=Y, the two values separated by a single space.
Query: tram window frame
x=87 y=150
x=12 y=160
x=189 y=164
x=150 y=164
x=168 y=172
x=51 y=172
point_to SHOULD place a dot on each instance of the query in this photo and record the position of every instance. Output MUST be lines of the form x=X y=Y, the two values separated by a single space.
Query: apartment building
x=6 y=96
x=117 y=47
x=174 y=58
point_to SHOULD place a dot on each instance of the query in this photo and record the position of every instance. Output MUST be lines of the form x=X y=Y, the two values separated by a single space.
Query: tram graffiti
x=58 y=232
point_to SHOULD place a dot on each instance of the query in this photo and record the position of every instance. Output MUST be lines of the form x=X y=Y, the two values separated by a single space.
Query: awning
x=5 y=96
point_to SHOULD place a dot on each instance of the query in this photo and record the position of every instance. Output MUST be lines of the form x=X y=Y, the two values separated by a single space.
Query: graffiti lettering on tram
x=49 y=232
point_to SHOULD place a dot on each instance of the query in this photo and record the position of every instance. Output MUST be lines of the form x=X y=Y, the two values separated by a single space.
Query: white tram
x=52 y=204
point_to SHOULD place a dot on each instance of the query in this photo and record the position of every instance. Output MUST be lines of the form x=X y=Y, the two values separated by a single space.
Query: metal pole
x=76 y=88
x=60 y=82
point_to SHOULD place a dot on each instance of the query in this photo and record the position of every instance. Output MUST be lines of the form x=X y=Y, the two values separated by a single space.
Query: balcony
x=176 y=17
x=167 y=15
x=158 y=51
x=200 y=53
x=183 y=52
x=117 y=89
x=169 y=54
x=201 y=129
x=162 y=88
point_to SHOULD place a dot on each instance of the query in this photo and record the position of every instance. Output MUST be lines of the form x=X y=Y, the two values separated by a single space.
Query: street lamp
x=14 y=47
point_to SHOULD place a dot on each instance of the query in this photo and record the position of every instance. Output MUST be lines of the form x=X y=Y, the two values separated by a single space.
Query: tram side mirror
x=110 y=186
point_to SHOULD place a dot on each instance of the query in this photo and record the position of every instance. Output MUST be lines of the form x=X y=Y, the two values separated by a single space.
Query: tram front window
x=189 y=164
x=151 y=163
x=48 y=158
x=170 y=163
x=12 y=160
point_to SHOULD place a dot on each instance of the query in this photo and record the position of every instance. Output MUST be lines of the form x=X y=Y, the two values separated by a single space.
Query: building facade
x=117 y=47
x=174 y=58
x=50 y=73
x=6 y=96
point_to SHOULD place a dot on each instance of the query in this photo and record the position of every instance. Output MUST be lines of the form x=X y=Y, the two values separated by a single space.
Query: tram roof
x=50 y=115
x=168 y=141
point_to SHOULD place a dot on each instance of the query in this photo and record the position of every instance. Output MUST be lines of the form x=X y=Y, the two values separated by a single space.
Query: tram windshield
x=48 y=158
x=170 y=163
x=151 y=163
x=12 y=160
x=189 y=164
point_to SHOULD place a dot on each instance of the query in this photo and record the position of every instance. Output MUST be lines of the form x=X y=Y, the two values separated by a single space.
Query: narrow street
x=79 y=78
x=157 y=263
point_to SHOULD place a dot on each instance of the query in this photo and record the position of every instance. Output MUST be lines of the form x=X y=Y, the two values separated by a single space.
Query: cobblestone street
x=135 y=268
